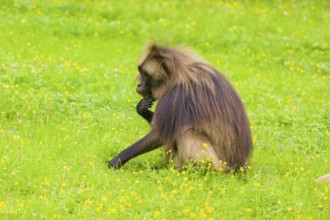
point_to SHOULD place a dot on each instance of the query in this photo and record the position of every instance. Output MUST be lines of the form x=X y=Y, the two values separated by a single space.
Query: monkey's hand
x=115 y=163
x=142 y=109
x=144 y=105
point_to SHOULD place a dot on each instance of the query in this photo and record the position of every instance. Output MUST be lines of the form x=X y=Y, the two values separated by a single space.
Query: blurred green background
x=67 y=91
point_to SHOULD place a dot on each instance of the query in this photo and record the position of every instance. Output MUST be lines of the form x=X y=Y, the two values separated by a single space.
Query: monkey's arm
x=142 y=109
x=148 y=143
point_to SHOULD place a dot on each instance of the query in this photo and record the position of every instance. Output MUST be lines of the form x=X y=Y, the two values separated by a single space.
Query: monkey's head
x=152 y=74
x=158 y=70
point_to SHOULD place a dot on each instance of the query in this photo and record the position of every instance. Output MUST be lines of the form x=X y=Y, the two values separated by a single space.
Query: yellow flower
x=202 y=213
x=43 y=198
x=46 y=182
x=223 y=190
x=254 y=139
x=175 y=192
x=186 y=210
x=67 y=64
x=164 y=196
x=192 y=215
x=111 y=211
x=209 y=209
x=88 y=202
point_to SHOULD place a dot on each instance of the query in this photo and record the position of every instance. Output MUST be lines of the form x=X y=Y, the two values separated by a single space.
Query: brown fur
x=199 y=115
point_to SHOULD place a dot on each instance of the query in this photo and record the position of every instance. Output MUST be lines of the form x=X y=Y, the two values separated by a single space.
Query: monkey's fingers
x=146 y=103
x=143 y=106
x=114 y=164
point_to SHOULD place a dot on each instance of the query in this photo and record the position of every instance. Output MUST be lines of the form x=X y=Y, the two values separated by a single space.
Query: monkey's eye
x=141 y=71
x=146 y=76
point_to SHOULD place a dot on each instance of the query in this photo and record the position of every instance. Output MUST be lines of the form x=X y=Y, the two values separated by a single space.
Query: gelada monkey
x=199 y=116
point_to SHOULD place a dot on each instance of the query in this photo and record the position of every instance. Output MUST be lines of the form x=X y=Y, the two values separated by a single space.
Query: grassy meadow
x=67 y=106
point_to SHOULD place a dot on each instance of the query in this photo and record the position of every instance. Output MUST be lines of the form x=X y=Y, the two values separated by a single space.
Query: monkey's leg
x=146 y=144
x=193 y=146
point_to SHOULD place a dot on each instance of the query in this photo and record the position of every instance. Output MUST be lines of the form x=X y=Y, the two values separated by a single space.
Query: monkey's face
x=152 y=79
x=143 y=87
x=155 y=75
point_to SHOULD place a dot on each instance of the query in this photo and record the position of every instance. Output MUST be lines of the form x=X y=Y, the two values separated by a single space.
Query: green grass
x=67 y=91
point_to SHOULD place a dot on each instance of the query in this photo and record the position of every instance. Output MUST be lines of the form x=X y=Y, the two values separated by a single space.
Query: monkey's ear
x=163 y=56
x=154 y=48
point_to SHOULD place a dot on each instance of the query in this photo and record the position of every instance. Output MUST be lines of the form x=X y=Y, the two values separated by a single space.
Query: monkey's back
x=211 y=107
